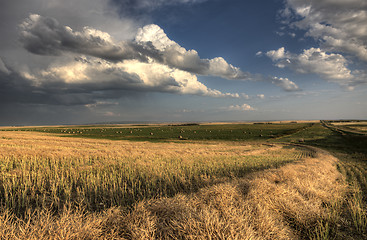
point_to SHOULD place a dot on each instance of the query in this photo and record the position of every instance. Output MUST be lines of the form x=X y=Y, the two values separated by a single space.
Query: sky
x=93 y=61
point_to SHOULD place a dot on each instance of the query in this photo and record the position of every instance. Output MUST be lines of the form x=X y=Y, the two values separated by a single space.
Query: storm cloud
x=151 y=47
x=45 y=36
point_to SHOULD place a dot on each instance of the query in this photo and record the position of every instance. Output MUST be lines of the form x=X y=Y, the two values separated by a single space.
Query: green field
x=226 y=132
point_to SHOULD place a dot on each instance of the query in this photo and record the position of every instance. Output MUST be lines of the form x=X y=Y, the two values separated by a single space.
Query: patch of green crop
x=225 y=132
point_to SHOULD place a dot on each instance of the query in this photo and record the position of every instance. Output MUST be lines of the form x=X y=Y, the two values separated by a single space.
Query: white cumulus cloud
x=340 y=29
x=243 y=107
x=285 y=83
x=330 y=66
x=176 y=56
x=340 y=25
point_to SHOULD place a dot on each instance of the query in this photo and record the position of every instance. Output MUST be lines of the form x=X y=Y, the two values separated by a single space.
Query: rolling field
x=171 y=182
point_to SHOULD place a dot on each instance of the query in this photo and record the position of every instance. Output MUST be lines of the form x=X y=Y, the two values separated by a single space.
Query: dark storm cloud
x=108 y=82
x=45 y=36
x=24 y=102
x=15 y=88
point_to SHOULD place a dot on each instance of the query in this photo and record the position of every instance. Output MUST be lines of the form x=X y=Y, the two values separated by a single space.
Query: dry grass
x=356 y=206
x=41 y=171
x=349 y=123
x=23 y=144
x=287 y=203
x=296 y=201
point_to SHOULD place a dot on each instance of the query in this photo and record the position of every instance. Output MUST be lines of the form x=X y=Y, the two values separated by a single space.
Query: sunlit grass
x=39 y=171
x=169 y=187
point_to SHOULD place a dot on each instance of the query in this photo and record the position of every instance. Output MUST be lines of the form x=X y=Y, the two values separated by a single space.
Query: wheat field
x=54 y=187
x=40 y=171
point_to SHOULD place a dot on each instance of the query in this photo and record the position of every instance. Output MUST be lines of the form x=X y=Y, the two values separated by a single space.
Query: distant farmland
x=226 y=132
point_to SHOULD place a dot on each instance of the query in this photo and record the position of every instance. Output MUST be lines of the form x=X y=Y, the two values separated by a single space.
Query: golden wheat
x=286 y=203
x=196 y=190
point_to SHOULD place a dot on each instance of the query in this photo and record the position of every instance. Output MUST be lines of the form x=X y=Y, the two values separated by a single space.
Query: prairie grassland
x=41 y=171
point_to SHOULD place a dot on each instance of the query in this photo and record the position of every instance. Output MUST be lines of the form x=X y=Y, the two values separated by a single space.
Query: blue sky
x=87 y=61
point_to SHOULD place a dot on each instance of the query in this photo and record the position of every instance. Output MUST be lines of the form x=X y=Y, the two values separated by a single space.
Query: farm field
x=154 y=133
x=232 y=181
